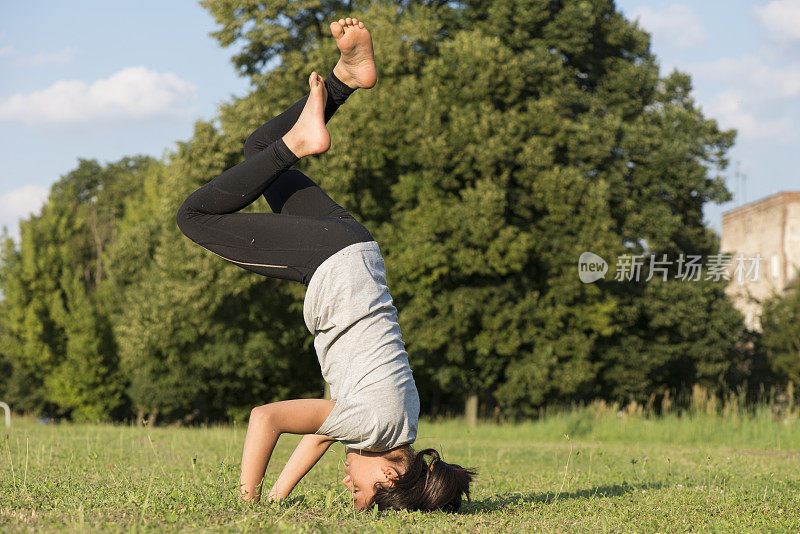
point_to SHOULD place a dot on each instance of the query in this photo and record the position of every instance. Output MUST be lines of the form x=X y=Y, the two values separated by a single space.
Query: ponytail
x=425 y=485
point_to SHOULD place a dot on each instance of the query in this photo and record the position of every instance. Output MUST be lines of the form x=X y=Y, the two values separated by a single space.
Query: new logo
x=591 y=267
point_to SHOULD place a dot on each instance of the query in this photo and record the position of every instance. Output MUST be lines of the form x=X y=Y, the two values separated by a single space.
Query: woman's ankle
x=294 y=143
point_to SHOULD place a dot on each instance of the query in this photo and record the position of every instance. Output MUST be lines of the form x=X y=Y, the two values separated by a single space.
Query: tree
x=55 y=334
x=780 y=324
x=502 y=140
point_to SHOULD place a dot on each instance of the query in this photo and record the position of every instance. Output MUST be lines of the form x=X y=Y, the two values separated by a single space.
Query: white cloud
x=781 y=19
x=20 y=203
x=732 y=109
x=6 y=50
x=132 y=93
x=760 y=80
x=755 y=98
x=677 y=25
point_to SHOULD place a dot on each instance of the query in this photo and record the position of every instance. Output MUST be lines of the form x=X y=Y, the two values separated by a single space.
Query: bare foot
x=356 y=66
x=309 y=134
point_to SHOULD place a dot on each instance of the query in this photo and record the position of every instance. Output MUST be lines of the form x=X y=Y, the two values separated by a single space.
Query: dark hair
x=434 y=485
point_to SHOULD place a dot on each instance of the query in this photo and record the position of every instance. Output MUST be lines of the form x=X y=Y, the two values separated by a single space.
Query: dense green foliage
x=631 y=474
x=56 y=331
x=503 y=139
x=780 y=321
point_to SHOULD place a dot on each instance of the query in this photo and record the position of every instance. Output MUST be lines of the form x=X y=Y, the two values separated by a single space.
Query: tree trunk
x=140 y=417
x=471 y=409
x=151 y=420
x=496 y=414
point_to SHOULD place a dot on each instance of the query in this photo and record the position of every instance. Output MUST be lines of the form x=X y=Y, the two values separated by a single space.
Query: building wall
x=792 y=238
x=769 y=227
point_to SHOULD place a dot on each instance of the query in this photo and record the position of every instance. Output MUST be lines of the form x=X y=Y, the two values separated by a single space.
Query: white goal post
x=6 y=407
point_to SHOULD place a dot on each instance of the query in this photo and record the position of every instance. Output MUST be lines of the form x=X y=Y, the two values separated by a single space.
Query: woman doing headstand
x=312 y=240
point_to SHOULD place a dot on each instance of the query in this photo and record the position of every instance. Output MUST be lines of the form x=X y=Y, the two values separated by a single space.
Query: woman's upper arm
x=298 y=416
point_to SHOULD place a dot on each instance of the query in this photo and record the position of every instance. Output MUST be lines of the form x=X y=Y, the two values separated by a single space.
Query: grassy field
x=588 y=470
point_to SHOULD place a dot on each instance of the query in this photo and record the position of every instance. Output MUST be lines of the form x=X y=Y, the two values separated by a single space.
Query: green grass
x=614 y=473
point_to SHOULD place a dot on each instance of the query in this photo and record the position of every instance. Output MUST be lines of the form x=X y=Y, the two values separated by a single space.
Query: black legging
x=306 y=226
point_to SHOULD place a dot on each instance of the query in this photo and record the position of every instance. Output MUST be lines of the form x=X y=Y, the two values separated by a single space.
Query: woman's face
x=362 y=470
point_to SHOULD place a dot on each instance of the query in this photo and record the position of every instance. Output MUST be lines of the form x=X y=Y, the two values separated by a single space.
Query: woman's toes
x=349 y=21
x=361 y=25
x=336 y=29
x=342 y=22
x=355 y=22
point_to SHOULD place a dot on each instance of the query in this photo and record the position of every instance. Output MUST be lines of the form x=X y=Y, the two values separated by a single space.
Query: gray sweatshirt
x=348 y=309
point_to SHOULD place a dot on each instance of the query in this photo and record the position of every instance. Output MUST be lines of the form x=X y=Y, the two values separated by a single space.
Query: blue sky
x=101 y=80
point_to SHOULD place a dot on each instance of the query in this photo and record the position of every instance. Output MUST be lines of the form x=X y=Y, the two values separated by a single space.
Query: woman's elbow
x=261 y=415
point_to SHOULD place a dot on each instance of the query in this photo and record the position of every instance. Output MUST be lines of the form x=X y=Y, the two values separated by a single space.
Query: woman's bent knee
x=184 y=218
x=252 y=146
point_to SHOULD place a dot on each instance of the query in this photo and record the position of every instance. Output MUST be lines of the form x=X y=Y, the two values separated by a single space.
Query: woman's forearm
x=259 y=443
x=305 y=456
